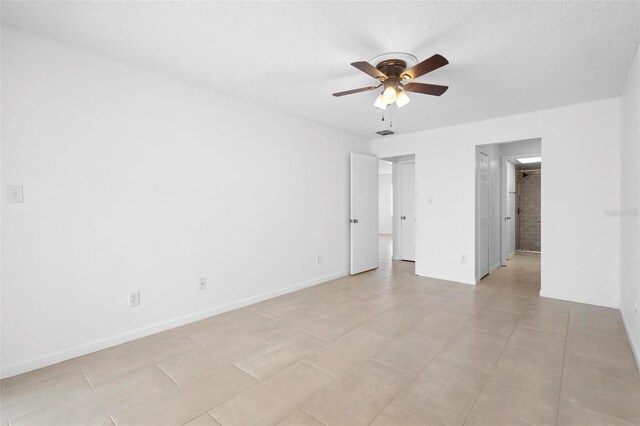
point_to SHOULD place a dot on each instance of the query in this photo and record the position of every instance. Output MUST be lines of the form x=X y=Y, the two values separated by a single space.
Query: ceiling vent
x=385 y=132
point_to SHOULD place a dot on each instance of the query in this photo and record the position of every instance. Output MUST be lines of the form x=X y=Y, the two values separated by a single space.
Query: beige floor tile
x=577 y=415
x=441 y=324
x=280 y=310
x=105 y=370
x=596 y=345
x=99 y=403
x=25 y=399
x=603 y=323
x=192 y=364
x=68 y=366
x=300 y=418
x=548 y=322
x=394 y=321
x=469 y=301
x=392 y=416
x=520 y=375
x=183 y=403
x=330 y=360
x=443 y=393
x=359 y=343
x=409 y=352
x=273 y=400
x=334 y=326
x=494 y=321
x=509 y=303
x=542 y=305
x=445 y=289
x=268 y=361
x=535 y=347
x=39 y=375
x=486 y=416
x=359 y=397
x=602 y=387
x=475 y=349
x=533 y=407
x=203 y=420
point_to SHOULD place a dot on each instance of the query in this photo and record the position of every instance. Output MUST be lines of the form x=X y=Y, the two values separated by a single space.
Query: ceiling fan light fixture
x=389 y=95
x=402 y=99
x=380 y=102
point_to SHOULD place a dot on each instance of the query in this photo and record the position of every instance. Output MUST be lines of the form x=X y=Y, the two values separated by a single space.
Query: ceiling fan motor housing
x=393 y=68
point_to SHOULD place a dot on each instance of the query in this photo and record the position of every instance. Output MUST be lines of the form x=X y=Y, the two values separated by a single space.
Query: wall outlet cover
x=134 y=298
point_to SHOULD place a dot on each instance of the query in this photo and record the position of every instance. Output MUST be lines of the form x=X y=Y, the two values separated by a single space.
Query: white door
x=511 y=182
x=408 y=211
x=364 y=213
x=483 y=211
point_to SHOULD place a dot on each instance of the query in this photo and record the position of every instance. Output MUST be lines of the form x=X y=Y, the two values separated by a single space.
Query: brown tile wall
x=528 y=204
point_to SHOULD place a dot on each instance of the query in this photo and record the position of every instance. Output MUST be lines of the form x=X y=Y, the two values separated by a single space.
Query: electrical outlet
x=463 y=258
x=203 y=283
x=318 y=259
x=134 y=298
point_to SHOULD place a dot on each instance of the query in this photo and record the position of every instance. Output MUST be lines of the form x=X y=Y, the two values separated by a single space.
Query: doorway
x=504 y=220
x=397 y=209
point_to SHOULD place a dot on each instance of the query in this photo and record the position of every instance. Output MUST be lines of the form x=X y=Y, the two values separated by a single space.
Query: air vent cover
x=385 y=132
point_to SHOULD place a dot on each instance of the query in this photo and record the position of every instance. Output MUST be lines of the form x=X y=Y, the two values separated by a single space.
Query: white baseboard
x=495 y=267
x=579 y=299
x=634 y=345
x=447 y=277
x=96 y=345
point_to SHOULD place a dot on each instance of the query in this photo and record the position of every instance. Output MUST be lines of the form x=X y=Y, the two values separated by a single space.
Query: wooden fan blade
x=367 y=68
x=426 y=66
x=427 y=89
x=351 y=92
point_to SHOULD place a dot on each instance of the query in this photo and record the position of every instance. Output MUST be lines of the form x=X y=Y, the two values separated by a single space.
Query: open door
x=408 y=213
x=364 y=213
x=509 y=223
x=483 y=204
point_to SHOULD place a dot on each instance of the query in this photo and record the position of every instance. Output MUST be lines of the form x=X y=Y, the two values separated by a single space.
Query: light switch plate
x=14 y=194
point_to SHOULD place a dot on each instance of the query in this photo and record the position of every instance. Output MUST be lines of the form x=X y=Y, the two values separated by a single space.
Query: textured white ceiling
x=505 y=57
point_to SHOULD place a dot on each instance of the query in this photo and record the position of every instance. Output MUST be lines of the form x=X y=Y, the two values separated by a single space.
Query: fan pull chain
x=382 y=115
x=390 y=119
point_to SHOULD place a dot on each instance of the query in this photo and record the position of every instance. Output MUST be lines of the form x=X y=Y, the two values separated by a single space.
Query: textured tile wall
x=528 y=202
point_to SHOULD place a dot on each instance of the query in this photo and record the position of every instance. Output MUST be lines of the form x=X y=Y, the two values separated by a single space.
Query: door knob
x=403 y=217
x=354 y=220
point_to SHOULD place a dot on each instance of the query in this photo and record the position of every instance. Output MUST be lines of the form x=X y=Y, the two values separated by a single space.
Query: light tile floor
x=385 y=347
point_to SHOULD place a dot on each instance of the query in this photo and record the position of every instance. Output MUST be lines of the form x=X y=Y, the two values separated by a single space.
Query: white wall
x=630 y=205
x=385 y=204
x=134 y=181
x=576 y=265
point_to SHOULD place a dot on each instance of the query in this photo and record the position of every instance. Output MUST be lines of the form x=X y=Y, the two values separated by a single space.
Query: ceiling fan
x=394 y=71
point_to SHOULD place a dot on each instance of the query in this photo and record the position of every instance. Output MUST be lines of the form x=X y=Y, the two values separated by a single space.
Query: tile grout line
x=86 y=378
x=168 y=375
x=309 y=414
x=564 y=360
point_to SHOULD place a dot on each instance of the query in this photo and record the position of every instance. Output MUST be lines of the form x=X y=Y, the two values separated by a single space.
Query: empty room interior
x=320 y=213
